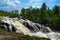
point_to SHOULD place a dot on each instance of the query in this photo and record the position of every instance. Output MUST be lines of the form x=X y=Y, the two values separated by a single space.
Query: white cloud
x=36 y=6
x=36 y=3
x=12 y=2
x=16 y=1
x=26 y=7
x=31 y=1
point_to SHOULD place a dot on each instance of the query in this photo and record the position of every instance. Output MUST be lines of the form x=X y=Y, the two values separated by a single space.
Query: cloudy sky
x=9 y=5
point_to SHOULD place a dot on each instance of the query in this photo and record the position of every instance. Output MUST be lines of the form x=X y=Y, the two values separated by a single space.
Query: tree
x=56 y=9
x=43 y=12
x=43 y=15
x=43 y=8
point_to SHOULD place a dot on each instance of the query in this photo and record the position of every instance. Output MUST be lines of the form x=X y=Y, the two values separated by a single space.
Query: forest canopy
x=43 y=15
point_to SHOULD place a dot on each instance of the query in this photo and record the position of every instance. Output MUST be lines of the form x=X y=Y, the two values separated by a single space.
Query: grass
x=1 y=30
x=26 y=37
x=20 y=36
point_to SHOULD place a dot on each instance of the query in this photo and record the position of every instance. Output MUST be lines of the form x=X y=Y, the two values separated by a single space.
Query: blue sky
x=9 y=5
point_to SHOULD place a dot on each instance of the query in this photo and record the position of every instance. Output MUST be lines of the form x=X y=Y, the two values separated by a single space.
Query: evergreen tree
x=56 y=9
x=43 y=12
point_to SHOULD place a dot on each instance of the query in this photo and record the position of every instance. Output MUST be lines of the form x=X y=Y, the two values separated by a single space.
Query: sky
x=9 y=5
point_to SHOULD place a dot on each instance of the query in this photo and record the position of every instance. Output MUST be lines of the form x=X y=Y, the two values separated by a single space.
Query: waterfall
x=35 y=26
x=53 y=36
x=28 y=27
x=17 y=25
x=5 y=27
x=31 y=26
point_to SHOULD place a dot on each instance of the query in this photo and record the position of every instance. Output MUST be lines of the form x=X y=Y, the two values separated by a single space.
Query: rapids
x=28 y=27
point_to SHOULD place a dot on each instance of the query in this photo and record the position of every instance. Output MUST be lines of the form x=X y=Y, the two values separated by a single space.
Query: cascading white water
x=39 y=30
x=31 y=24
x=17 y=25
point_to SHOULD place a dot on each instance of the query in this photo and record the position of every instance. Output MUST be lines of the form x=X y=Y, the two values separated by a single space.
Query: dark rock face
x=5 y=26
x=34 y=27
x=2 y=26
x=13 y=29
x=28 y=26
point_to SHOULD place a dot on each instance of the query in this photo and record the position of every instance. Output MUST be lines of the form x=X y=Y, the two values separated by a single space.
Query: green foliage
x=43 y=15
x=26 y=37
x=56 y=10
x=11 y=14
x=1 y=30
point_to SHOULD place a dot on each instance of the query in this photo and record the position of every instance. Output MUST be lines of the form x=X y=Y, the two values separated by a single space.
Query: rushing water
x=29 y=28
